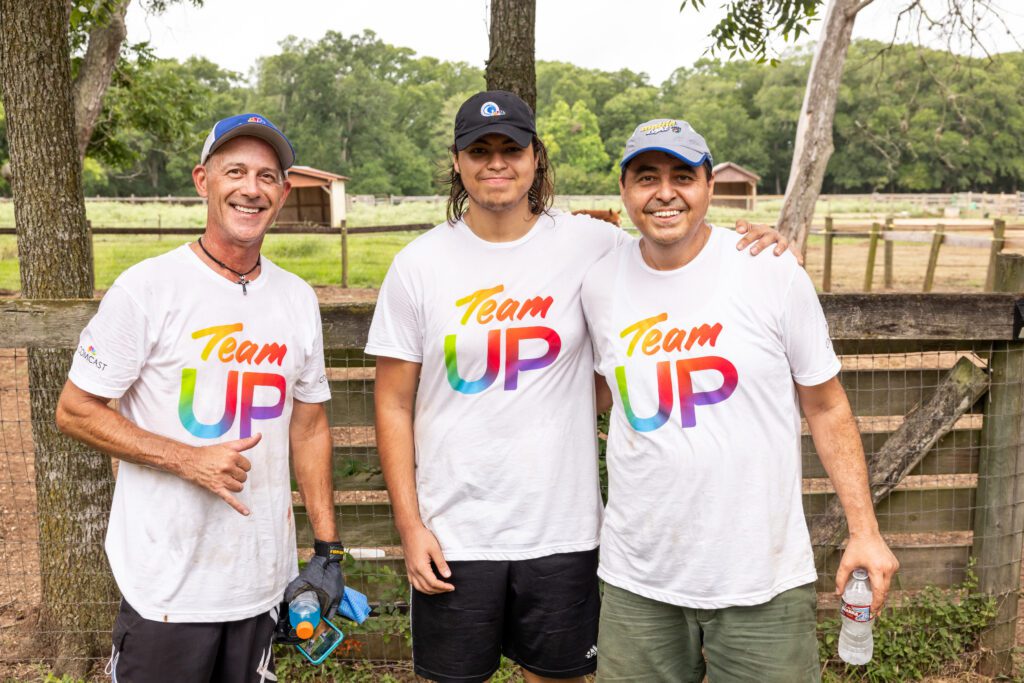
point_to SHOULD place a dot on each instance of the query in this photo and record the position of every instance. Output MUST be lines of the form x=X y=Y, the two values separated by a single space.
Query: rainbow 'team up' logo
x=483 y=308
x=230 y=350
x=652 y=340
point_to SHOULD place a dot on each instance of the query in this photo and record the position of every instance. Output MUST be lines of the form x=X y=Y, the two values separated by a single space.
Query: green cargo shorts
x=647 y=641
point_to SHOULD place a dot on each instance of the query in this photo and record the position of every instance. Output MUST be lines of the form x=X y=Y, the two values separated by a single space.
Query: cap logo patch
x=254 y=119
x=661 y=127
x=489 y=109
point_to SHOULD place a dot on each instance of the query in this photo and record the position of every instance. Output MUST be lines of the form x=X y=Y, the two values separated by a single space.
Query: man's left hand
x=322 y=575
x=764 y=236
x=871 y=553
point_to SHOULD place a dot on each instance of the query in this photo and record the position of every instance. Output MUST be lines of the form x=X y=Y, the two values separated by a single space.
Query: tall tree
x=97 y=67
x=748 y=28
x=812 y=147
x=73 y=489
x=510 y=65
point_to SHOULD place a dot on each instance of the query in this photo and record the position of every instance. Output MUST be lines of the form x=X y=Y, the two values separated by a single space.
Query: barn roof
x=728 y=172
x=307 y=176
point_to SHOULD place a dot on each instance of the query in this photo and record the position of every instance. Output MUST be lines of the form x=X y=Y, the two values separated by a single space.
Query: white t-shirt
x=192 y=359
x=506 y=459
x=704 y=506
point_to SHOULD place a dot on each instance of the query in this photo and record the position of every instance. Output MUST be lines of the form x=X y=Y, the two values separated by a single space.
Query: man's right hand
x=221 y=468
x=421 y=548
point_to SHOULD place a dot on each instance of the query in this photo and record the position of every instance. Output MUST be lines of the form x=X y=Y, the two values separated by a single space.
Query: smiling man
x=216 y=357
x=711 y=358
x=485 y=412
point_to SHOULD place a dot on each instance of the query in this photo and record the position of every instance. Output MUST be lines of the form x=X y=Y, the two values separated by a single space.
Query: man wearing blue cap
x=705 y=553
x=216 y=358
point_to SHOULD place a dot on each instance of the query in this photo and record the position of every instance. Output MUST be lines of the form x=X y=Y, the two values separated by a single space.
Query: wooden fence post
x=933 y=258
x=998 y=235
x=826 y=276
x=91 y=256
x=344 y=254
x=888 y=253
x=999 y=510
x=869 y=274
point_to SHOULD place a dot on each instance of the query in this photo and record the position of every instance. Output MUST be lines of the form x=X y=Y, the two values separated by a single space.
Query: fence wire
x=958 y=512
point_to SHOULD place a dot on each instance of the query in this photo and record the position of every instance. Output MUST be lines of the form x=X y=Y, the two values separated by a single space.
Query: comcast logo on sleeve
x=89 y=354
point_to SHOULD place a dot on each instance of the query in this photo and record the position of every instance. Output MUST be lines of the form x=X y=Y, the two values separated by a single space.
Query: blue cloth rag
x=354 y=606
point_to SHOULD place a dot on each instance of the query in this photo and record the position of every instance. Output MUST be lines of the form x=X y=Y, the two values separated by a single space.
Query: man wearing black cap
x=705 y=554
x=485 y=412
x=216 y=357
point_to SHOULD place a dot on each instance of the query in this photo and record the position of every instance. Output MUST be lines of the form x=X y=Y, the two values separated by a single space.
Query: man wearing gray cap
x=216 y=357
x=705 y=553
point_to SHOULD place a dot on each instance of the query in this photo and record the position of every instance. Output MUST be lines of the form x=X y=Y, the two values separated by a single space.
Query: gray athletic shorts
x=148 y=651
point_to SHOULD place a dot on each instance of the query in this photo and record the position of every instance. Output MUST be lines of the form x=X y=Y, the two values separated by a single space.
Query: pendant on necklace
x=242 y=281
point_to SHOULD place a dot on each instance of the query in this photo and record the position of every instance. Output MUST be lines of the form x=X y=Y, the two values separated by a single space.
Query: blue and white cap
x=671 y=136
x=249 y=124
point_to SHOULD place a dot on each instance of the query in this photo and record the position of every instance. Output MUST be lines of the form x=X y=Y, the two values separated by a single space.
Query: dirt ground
x=960 y=270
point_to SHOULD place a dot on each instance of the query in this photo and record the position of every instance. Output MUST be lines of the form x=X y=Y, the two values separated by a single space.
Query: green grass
x=317 y=258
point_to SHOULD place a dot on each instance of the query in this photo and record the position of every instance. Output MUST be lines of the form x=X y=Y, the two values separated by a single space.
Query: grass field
x=317 y=258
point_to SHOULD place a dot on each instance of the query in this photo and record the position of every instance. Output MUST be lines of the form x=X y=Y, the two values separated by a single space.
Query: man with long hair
x=485 y=412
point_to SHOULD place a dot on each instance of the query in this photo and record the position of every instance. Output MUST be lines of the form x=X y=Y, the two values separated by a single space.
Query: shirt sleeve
x=112 y=348
x=311 y=386
x=396 y=330
x=812 y=360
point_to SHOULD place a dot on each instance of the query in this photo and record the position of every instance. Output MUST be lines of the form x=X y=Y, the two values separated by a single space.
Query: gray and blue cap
x=671 y=136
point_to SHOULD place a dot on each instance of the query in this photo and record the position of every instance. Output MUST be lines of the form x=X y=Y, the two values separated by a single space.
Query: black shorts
x=147 y=651
x=540 y=613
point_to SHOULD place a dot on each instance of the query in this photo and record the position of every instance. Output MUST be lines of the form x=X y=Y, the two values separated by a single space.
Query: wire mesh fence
x=940 y=420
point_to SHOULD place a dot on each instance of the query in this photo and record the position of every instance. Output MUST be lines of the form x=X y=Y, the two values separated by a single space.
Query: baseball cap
x=249 y=124
x=671 y=136
x=494 y=111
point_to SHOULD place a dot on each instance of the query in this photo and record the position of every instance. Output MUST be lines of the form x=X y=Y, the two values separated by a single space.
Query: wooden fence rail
x=958 y=496
x=937 y=234
x=299 y=229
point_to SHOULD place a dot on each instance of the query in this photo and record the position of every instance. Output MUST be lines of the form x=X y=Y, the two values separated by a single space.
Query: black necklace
x=241 y=276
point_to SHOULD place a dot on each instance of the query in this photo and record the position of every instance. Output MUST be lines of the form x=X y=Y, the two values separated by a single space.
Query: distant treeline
x=908 y=119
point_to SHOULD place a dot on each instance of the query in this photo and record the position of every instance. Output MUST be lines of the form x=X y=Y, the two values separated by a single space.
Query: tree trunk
x=95 y=72
x=813 y=145
x=72 y=486
x=510 y=65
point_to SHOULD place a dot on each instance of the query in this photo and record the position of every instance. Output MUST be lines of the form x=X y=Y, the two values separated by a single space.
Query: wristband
x=333 y=551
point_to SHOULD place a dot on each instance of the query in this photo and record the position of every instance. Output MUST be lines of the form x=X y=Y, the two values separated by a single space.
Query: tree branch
x=95 y=72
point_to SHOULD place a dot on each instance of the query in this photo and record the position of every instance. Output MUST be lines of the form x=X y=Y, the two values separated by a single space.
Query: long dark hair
x=541 y=193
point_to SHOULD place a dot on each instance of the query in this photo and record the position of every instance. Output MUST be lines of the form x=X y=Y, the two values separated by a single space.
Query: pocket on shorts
x=127 y=619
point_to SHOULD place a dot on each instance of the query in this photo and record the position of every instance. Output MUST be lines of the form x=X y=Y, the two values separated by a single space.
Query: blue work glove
x=322 y=575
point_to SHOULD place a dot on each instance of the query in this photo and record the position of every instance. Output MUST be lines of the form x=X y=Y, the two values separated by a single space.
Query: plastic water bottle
x=855 y=640
x=304 y=614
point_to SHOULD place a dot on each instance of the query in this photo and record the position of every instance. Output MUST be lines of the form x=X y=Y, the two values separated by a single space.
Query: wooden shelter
x=317 y=197
x=735 y=186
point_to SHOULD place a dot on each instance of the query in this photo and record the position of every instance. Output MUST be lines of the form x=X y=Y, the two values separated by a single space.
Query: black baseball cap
x=494 y=111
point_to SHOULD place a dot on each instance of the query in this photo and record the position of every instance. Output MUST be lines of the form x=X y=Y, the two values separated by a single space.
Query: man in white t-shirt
x=485 y=412
x=216 y=358
x=710 y=362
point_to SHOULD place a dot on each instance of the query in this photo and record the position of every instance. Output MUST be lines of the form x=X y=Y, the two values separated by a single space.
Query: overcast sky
x=651 y=36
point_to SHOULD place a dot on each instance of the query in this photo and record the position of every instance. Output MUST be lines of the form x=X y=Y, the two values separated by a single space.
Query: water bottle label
x=861 y=613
